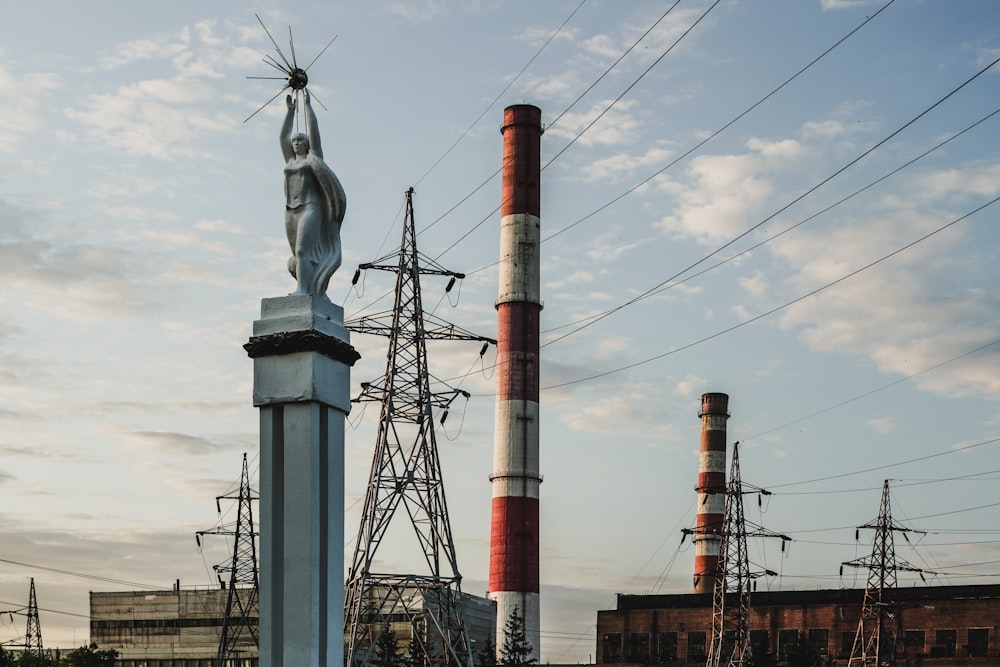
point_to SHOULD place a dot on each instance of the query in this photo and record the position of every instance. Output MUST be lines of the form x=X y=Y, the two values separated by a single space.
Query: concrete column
x=302 y=358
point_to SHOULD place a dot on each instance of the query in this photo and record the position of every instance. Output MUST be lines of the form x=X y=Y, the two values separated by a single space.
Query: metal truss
x=734 y=577
x=406 y=474
x=239 y=641
x=879 y=625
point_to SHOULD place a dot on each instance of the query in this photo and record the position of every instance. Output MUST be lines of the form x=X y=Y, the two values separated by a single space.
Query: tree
x=516 y=650
x=486 y=656
x=387 y=650
x=90 y=656
x=804 y=654
x=7 y=659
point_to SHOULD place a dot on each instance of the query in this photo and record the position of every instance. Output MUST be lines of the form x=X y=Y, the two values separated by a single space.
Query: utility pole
x=406 y=473
x=31 y=642
x=239 y=625
x=734 y=577
x=878 y=628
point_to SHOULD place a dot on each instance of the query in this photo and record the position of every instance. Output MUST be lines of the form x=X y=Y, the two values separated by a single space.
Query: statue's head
x=300 y=144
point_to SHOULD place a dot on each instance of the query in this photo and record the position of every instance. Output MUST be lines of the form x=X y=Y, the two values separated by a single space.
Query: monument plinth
x=302 y=358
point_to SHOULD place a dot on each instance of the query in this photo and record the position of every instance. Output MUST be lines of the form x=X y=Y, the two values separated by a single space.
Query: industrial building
x=174 y=628
x=182 y=628
x=937 y=625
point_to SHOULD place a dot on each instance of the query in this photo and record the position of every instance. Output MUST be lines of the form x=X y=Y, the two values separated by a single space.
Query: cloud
x=717 y=202
x=834 y=5
x=20 y=113
x=171 y=442
x=619 y=124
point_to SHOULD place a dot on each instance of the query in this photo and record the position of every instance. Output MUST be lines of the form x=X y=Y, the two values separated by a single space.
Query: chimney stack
x=515 y=479
x=711 y=490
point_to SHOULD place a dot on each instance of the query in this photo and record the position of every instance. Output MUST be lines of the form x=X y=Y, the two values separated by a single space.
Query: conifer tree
x=516 y=650
x=486 y=656
x=387 y=650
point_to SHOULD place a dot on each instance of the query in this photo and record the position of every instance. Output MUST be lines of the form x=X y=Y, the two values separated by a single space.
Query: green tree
x=32 y=659
x=7 y=659
x=803 y=654
x=486 y=656
x=386 y=651
x=90 y=656
x=516 y=649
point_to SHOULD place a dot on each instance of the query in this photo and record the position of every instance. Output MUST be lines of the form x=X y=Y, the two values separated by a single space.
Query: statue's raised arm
x=314 y=204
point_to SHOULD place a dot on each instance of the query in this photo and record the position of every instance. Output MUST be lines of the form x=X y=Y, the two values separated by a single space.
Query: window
x=696 y=647
x=666 y=647
x=819 y=638
x=760 y=646
x=944 y=644
x=846 y=644
x=913 y=641
x=611 y=647
x=786 y=642
x=979 y=642
x=638 y=647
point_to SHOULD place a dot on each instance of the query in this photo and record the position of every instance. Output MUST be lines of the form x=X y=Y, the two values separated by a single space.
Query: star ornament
x=296 y=78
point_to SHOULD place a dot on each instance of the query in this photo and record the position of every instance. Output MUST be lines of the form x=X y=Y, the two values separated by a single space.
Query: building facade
x=954 y=626
x=175 y=628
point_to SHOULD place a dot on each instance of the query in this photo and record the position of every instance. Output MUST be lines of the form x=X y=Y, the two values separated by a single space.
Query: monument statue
x=314 y=204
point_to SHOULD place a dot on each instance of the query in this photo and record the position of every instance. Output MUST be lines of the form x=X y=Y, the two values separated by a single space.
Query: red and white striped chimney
x=515 y=478
x=711 y=490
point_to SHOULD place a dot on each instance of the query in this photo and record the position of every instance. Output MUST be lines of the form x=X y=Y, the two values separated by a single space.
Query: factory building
x=182 y=628
x=175 y=628
x=946 y=626
x=479 y=615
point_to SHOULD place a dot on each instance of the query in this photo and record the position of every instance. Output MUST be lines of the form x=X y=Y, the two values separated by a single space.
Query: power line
x=587 y=128
x=784 y=208
x=495 y=100
x=889 y=465
x=81 y=575
x=668 y=284
x=777 y=308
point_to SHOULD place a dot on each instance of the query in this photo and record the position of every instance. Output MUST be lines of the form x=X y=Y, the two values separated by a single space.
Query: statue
x=314 y=204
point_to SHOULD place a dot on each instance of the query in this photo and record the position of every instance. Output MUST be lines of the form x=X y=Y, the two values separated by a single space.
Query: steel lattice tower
x=406 y=473
x=239 y=626
x=878 y=628
x=31 y=642
x=33 y=632
x=733 y=577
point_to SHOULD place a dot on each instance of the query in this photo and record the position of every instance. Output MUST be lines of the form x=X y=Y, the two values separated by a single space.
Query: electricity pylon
x=406 y=473
x=878 y=628
x=733 y=578
x=239 y=624
x=31 y=642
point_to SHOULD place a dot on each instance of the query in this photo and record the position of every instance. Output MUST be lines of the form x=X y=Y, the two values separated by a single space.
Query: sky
x=789 y=202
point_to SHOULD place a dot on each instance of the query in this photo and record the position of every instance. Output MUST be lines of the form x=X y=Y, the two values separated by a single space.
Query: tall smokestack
x=515 y=478
x=711 y=490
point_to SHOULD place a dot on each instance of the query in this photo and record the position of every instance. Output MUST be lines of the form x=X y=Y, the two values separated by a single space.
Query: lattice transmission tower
x=31 y=642
x=238 y=640
x=735 y=577
x=406 y=475
x=879 y=625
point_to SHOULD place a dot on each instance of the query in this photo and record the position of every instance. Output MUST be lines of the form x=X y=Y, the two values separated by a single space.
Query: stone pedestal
x=302 y=358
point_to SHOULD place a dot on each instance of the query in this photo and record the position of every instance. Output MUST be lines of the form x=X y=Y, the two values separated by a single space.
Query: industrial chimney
x=711 y=490
x=515 y=479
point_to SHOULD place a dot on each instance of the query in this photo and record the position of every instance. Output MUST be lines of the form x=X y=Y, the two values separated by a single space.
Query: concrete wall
x=161 y=628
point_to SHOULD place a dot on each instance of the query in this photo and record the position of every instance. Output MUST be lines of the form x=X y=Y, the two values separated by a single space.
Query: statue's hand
x=289 y=102
x=305 y=96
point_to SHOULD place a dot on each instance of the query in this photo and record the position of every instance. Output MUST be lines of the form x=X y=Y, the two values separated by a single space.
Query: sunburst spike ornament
x=296 y=78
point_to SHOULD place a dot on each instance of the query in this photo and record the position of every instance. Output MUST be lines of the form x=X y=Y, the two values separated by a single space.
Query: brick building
x=954 y=626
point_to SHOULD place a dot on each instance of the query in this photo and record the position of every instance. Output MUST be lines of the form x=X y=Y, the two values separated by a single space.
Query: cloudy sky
x=790 y=202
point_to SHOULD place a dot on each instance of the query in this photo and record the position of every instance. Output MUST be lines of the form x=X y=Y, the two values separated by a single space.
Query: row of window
x=662 y=647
